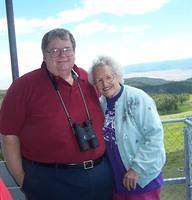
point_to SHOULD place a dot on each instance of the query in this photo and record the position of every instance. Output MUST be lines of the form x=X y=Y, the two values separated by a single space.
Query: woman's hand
x=130 y=179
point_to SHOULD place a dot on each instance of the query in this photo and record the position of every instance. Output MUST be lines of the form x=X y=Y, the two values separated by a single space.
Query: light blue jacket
x=139 y=133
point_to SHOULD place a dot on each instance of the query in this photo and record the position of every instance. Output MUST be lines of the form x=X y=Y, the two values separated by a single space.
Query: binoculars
x=85 y=135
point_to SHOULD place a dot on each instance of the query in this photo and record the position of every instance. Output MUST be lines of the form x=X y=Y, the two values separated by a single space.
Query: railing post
x=12 y=39
x=188 y=157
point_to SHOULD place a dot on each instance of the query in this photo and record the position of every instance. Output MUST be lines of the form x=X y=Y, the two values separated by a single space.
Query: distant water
x=172 y=75
x=168 y=70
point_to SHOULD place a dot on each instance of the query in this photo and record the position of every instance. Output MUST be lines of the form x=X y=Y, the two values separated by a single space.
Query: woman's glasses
x=105 y=79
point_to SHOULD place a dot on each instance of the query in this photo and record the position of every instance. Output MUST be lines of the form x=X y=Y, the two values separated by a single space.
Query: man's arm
x=12 y=155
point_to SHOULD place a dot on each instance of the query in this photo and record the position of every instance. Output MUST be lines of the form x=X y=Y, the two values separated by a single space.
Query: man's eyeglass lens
x=57 y=51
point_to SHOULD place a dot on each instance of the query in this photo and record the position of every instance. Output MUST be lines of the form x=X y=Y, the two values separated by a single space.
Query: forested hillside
x=152 y=85
x=170 y=96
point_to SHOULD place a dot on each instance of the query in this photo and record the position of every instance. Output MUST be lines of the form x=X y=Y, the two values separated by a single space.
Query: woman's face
x=106 y=81
x=59 y=57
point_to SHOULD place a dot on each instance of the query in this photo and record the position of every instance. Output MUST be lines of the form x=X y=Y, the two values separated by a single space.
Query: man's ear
x=97 y=91
x=44 y=56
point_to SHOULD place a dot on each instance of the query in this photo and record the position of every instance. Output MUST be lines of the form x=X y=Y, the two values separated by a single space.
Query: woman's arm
x=150 y=155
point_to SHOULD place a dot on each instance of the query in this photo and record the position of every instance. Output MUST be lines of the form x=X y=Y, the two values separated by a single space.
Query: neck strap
x=55 y=85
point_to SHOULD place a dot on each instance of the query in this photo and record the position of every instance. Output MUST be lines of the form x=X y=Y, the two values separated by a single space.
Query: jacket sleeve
x=150 y=155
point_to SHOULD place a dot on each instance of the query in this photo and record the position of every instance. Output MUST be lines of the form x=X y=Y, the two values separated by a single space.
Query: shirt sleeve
x=13 y=109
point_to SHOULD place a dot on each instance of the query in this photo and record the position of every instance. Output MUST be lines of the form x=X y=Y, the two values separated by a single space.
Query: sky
x=130 y=31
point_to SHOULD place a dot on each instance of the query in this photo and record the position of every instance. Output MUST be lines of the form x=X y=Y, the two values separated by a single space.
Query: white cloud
x=29 y=56
x=5 y=67
x=121 y=7
x=3 y=25
x=115 y=7
x=24 y=26
x=135 y=29
x=97 y=26
x=158 y=50
x=125 y=54
x=86 y=9
x=89 y=28
x=74 y=15
x=167 y=49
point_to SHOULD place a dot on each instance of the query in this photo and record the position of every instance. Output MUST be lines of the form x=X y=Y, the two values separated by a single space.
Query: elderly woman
x=133 y=133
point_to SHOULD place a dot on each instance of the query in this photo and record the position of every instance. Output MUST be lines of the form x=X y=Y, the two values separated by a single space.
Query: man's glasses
x=55 y=52
x=106 y=79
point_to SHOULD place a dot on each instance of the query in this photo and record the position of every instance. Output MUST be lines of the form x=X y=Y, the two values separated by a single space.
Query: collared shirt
x=32 y=110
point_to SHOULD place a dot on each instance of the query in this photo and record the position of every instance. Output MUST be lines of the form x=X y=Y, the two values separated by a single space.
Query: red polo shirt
x=32 y=110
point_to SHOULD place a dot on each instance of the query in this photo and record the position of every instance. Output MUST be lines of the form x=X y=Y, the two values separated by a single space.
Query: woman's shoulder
x=136 y=93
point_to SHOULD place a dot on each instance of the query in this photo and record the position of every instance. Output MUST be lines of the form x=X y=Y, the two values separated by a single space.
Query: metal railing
x=188 y=156
x=185 y=180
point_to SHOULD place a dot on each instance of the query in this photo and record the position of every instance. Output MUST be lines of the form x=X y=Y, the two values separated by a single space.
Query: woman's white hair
x=102 y=61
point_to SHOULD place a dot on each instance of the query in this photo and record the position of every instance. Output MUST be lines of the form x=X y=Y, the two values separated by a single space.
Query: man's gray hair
x=102 y=61
x=61 y=33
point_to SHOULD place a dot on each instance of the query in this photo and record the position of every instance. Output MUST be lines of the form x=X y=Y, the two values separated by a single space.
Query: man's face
x=59 y=57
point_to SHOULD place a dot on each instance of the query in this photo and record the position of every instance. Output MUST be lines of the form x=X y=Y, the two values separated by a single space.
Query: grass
x=174 y=166
x=174 y=192
x=173 y=136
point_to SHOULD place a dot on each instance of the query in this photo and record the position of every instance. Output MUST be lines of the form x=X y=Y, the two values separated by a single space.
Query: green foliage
x=170 y=103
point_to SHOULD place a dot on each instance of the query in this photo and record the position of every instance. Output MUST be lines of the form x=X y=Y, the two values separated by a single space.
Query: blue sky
x=131 y=31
